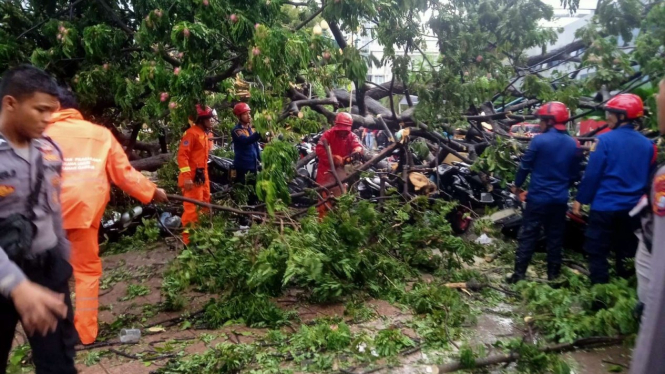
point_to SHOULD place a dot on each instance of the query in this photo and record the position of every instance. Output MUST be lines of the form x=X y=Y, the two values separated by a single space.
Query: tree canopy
x=148 y=62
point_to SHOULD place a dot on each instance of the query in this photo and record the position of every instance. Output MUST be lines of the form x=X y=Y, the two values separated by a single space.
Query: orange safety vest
x=92 y=159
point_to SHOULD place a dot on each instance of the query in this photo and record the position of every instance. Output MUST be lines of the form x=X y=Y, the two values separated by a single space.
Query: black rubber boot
x=519 y=273
x=515 y=278
x=553 y=272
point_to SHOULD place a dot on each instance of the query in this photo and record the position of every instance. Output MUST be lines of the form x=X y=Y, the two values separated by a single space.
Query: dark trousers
x=241 y=178
x=610 y=231
x=53 y=353
x=551 y=218
x=241 y=175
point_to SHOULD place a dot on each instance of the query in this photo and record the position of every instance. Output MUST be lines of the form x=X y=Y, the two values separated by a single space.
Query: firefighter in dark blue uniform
x=553 y=160
x=245 y=144
x=616 y=177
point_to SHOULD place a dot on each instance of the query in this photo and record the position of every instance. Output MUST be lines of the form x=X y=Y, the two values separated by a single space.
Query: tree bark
x=152 y=163
x=132 y=138
x=551 y=56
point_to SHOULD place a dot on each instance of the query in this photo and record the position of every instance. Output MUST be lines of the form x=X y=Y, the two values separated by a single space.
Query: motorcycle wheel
x=458 y=222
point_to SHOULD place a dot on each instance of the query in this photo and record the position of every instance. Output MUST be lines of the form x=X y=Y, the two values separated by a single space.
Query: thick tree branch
x=360 y=100
x=392 y=101
x=383 y=90
x=132 y=138
x=295 y=106
x=309 y=19
x=572 y=47
x=115 y=17
x=337 y=33
x=425 y=56
x=48 y=19
x=235 y=68
x=151 y=163
x=171 y=60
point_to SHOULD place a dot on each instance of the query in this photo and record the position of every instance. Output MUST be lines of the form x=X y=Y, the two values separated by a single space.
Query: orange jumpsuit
x=92 y=159
x=206 y=189
x=192 y=155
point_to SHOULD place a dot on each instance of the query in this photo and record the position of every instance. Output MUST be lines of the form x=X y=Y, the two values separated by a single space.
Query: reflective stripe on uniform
x=185 y=169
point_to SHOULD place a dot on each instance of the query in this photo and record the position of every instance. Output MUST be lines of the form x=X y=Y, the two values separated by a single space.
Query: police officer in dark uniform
x=616 y=177
x=553 y=160
x=34 y=268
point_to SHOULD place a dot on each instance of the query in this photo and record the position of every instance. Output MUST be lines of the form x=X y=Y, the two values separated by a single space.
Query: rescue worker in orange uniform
x=193 y=165
x=344 y=145
x=92 y=159
x=211 y=145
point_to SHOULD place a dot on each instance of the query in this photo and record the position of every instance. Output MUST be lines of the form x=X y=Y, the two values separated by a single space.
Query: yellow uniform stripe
x=185 y=169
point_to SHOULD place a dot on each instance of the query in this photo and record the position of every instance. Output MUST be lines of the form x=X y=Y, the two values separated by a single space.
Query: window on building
x=369 y=78
x=378 y=79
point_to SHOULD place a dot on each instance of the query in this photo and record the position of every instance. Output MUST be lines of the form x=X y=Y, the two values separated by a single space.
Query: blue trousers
x=610 y=231
x=538 y=217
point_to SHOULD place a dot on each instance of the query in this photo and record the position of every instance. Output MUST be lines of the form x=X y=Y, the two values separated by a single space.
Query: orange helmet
x=343 y=122
x=630 y=105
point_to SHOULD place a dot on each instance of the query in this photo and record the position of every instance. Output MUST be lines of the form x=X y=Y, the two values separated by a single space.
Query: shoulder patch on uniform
x=6 y=190
x=659 y=195
x=185 y=143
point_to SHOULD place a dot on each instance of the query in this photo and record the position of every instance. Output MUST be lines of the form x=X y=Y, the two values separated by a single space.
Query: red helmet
x=203 y=112
x=240 y=109
x=556 y=111
x=629 y=104
x=343 y=121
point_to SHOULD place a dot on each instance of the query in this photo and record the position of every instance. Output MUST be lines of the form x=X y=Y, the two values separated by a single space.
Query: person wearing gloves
x=344 y=144
x=193 y=164
x=93 y=160
x=34 y=271
x=553 y=160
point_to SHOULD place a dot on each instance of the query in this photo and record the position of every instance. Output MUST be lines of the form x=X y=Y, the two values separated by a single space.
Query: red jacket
x=341 y=146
